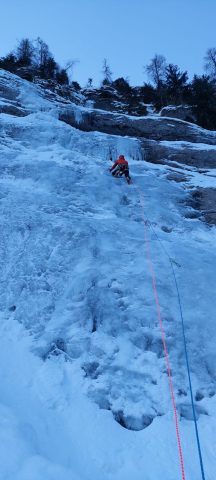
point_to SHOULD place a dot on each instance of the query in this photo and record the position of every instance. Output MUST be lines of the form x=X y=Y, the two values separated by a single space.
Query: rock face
x=161 y=139
x=182 y=112
x=204 y=200
x=9 y=94
x=153 y=128
x=193 y=154
x=12 y=110
x=20 y=97
x=109 y=99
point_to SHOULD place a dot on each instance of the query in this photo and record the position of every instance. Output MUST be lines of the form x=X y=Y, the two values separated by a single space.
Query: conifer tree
x=107 y=73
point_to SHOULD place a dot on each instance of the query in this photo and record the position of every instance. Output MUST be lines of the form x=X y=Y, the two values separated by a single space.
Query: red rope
x=151 y=268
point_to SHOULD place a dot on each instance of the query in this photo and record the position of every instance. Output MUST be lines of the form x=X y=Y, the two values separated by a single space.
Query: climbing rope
x=147 y=222
x=151 y=268
x=185 y=350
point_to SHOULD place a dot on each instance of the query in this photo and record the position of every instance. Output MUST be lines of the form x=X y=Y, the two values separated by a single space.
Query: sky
x=128 y=33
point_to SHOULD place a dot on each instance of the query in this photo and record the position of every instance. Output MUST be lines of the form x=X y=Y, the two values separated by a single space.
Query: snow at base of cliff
x=83 y=381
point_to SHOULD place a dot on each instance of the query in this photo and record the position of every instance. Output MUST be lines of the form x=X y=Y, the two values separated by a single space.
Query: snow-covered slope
x=84 y=386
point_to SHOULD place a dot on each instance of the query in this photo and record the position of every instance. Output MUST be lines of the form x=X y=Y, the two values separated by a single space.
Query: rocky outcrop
x=110 y=99
x=20 y=97
x=196 y=155
x=162 y=139
x=153 y=128
x=10 y=90
x=9 y=95
x=204 y=200
x=13 y=110
x=182 y=112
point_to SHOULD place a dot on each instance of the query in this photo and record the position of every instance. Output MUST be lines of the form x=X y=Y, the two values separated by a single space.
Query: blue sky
x=126 y=32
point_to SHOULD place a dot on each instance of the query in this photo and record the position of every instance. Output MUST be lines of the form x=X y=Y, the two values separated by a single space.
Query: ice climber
x=121 y=167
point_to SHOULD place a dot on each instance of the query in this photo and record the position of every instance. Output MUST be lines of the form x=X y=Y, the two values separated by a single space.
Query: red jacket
x=121 y=162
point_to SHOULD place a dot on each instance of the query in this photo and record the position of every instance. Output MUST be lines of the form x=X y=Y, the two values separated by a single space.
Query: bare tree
x=44 y=60
x=25 y=52
x=210 y=62
x=69 y=67
x=42 y=53
x=156 y=70
x=107 y=73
